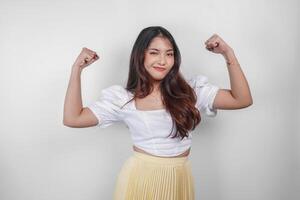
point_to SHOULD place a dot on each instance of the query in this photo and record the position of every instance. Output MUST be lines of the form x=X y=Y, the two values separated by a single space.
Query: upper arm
x=103 y=112
x=225 y=100
x=85 y=119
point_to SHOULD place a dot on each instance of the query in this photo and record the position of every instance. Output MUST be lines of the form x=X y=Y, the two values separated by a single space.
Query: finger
x=92 y=58
x=95 y=56
x=209 y=48
x=87 y=58
x=217 y=44
x=214 y=43
x=208 y=41
x=91 y=61
x=210 y=45
x=88 y=51
x=211 y=38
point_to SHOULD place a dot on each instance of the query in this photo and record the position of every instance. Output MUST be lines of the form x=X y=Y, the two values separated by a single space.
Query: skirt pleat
x=146 y=177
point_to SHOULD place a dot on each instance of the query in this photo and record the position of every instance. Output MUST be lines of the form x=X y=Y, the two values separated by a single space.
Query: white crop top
x=150 y=129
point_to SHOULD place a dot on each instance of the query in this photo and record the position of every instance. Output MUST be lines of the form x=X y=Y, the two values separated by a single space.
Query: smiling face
x=159 y=58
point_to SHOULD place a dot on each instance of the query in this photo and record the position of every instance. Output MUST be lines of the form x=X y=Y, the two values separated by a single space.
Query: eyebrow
x=158 y=49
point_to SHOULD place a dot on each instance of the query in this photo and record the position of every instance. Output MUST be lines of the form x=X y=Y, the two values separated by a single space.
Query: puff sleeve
x=206 y=93
x=107 y=108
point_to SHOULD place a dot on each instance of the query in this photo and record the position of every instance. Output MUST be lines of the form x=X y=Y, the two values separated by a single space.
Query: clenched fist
x=85 y=58
x=216 y=44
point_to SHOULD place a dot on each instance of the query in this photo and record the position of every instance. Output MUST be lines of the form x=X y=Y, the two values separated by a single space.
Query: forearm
x=239 y=86
x=73 y=100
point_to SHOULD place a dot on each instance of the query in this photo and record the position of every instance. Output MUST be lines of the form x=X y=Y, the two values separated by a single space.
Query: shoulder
x=115 y=92
x=197 y=80
x=116 y=89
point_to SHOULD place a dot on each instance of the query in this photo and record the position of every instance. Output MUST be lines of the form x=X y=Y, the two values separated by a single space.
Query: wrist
x=76 y=68
x=230 y=57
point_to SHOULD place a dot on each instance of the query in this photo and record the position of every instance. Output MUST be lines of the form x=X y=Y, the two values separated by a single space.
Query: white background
x=248 y=154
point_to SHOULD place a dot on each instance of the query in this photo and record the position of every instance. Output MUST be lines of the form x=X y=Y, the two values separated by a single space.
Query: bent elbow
x=247 y=104
x=68 y=123
x=250 y=102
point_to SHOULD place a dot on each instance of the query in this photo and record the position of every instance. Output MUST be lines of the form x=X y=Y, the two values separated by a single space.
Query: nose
x=162 y=60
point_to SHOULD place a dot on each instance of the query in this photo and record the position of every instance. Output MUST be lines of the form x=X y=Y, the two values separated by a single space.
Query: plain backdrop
x=244 y=154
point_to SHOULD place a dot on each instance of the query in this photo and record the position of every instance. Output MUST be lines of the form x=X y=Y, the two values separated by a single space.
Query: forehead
x=160 y=43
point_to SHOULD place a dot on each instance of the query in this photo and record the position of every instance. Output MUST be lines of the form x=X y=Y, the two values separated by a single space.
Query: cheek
x=149 y=61
x=171 y=62
x=146 y=61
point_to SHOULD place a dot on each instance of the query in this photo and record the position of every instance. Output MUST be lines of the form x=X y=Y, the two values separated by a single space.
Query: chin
x=158 y=78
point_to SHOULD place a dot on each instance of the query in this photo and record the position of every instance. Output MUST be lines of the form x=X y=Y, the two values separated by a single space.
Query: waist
x=162 y=161
x=184 y=154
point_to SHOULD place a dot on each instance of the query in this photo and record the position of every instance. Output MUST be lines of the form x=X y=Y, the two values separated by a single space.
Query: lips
x=159 y=68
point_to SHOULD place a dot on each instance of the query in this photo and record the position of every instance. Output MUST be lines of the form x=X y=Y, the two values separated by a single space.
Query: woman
x=160 y=108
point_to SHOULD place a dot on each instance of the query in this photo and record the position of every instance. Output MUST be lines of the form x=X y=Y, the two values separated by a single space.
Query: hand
x=85 y=58
x=217 y=45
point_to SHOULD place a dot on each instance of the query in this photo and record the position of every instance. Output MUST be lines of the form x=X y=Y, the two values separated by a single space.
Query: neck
x=156 y=87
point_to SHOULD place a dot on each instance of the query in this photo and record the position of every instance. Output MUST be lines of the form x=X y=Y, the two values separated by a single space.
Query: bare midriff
x=186 y=153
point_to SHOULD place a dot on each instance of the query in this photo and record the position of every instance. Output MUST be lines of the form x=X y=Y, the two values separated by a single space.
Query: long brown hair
x=178 y=97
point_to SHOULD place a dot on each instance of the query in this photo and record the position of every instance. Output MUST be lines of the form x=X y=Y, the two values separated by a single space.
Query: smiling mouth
x=159 y=69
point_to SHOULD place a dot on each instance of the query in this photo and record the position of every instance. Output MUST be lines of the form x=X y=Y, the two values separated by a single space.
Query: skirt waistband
x=160 y=160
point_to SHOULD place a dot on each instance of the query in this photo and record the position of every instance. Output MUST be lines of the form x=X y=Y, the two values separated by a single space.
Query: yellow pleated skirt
x=146 y=177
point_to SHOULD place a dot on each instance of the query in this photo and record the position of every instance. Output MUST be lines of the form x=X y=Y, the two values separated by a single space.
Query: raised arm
x=239 y=96
x=74 y=114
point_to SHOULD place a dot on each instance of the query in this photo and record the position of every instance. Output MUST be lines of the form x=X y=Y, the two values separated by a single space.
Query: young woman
x=160 y=108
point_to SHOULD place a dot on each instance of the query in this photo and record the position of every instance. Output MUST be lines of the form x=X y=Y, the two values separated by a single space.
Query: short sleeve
x=206 y=93
x=107 y=108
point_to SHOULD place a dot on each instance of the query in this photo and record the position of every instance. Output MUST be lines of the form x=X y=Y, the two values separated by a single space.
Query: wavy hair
x=178 y=97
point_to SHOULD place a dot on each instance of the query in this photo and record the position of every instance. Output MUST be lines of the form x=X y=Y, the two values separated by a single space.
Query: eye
x=153 y=53
x=170 y=54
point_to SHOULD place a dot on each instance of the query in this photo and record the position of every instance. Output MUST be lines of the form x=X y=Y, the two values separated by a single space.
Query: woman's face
x=159 y=58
